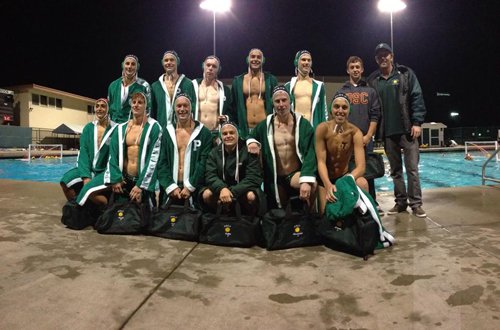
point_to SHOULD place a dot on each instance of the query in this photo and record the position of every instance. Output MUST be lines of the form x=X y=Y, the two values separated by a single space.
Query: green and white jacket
x=224 y=95
x=162 y=107
x=195 y=157
x=149 y=154
x=119 y=107
x=304 y=146
x=319 y=110
x=93 y=157
x=238 y=109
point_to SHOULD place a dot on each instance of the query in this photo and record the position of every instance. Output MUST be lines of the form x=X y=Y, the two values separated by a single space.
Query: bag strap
x=288 y=209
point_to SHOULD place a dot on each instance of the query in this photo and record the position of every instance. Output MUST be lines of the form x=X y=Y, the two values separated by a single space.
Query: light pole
x=214 y=6
x=391 y=6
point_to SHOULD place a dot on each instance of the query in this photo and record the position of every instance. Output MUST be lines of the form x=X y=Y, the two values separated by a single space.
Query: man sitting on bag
x=134 y=152
x=185 y=147
x=289 y=161
x=231 y=172
x=336 y=141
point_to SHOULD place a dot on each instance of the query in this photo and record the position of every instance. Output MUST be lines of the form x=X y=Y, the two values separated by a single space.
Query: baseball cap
x=383 y=45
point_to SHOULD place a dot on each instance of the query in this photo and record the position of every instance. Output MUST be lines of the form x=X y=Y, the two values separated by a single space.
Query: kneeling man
x=133 y=156
x=336 y=141
x=286 y=141
x=232 y=172
x=185 y=148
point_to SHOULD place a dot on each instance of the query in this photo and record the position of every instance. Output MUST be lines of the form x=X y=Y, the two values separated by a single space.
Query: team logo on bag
x=297 y=231
x=120 y=214
x=173 y=220
x=227 y=230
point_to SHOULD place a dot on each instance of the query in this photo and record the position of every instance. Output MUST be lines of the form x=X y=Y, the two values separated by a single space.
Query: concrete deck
x=444 y=273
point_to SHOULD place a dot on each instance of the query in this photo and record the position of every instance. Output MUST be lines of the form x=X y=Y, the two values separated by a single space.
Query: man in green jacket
x=213 y=97
x=133 y=157
x=286 y=142
x=167 y=87
x=185 y=148
x=308 y=94
x=120 y=90
x=94 y=151
x=231 y=172
x=251 y=94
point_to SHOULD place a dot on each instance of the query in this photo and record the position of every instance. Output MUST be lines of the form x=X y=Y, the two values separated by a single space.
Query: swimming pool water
x=441 y=170
x=39 y=169
x=436 y=170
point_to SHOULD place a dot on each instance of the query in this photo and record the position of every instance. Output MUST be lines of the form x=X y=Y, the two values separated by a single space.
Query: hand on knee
x=207 y=196
x=251 y=197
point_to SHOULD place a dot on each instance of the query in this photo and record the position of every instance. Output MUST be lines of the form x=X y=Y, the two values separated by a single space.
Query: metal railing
x=483 y=175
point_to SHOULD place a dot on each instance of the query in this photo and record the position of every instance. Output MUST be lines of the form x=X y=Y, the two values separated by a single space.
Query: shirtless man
x=308 y=94
x=94 y=153
x=185 y=147
x=213 y=97
x=289 y=162
x=168 y=85
x=120 y=90
x=134 y=154
x=251 y=94
x=336 y=141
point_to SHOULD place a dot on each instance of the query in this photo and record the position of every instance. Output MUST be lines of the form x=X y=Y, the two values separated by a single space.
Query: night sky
x=77 y=46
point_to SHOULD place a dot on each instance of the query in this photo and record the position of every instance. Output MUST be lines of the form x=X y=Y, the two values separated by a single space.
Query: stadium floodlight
x=391 y=6
x=216 y=6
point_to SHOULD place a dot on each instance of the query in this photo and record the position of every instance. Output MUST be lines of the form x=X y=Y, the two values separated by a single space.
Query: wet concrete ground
x=444 y=273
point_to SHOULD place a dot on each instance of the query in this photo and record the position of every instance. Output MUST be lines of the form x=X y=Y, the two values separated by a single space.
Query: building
x=38 y=110
x=44 y=107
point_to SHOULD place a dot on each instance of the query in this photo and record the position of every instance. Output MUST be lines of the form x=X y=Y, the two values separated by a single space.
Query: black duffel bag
x=79 y=217
x=355 y=234
x=123 y=217
x=230 y=230
x=175 y=222
x=288 y=228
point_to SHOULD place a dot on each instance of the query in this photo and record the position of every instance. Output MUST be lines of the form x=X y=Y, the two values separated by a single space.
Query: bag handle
x=288 y=209
x=237 y=208
x=169 y=202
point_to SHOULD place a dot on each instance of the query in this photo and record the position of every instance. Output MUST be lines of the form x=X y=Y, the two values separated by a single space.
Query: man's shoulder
x=142 y=82
x=185 y=81
x=403 y=68
x=156 y=84
x=268 y=74
x=116 y=82
x=373 y=75
x=202 y=128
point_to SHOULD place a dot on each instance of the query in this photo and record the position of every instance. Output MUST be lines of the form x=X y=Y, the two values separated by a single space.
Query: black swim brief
x=286 y=180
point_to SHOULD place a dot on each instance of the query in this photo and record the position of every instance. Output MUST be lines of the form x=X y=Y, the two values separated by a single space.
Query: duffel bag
x=79 y=217
x=287 y=228
x=355 y=234
x=175 y=222
x=123 y=217
x=230 y=230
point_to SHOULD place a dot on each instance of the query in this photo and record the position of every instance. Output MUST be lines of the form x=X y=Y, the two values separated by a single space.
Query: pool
x=437 y=170
x=447 y=169
x=39 y=169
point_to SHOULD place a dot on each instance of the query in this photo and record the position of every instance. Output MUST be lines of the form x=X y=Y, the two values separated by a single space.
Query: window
x=35 y=99
x=43 y=100
x=52 y=102
x=90 y=109
x=58 y=103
